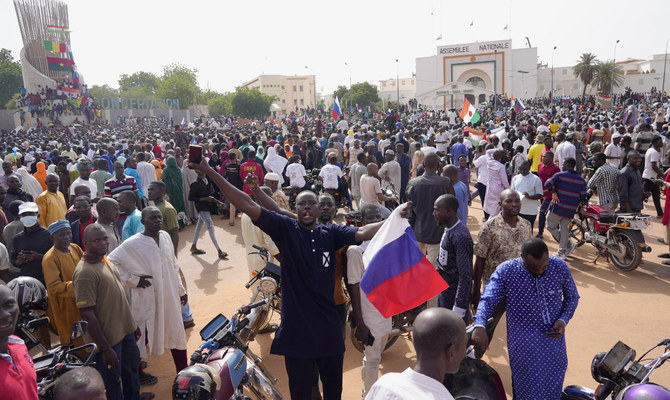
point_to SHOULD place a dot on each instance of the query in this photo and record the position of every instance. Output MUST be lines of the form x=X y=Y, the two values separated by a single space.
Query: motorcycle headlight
x=268 y=285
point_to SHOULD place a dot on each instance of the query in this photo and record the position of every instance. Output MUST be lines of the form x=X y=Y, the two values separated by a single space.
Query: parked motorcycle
x=621 y=375
x=475 y=379
x=269 y=287
x=56 y=362
x=616 y=236
x=229 y=356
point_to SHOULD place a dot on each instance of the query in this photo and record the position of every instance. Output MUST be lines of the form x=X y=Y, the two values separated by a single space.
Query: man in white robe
x=148 y=267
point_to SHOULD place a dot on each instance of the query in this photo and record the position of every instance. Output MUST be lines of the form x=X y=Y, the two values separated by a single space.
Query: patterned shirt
x=498 y=242
x=571 y=188
x=534 y=304
x=114 y=186
x=281 y=199
x=455 y=261
x=605 y=181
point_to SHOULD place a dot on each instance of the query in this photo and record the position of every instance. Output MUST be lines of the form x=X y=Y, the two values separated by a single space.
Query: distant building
x=388 y=89
x=293 y=92
x=639 y=76
x=475 y=71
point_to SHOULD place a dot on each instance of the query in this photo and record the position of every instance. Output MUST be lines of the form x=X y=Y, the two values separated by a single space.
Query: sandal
x=223 y=255
x=231 y=223
x=197 y=251
x=147 y=396
x=664 y=255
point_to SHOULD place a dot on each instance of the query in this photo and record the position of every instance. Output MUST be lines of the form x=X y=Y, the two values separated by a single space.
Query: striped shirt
x=605 y=181
x=571 y=188
x=114 y=187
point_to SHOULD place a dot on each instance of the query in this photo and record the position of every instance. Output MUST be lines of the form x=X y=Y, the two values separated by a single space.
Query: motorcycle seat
x=607 y=218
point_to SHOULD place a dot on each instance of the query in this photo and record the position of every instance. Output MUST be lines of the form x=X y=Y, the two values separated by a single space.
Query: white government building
x=479 y=70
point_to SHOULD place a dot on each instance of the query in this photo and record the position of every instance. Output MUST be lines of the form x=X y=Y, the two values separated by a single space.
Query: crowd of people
x=94 y=214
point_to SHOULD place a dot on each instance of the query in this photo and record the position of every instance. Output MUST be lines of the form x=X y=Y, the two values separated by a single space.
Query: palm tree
x=603 y=76
x=586 y=69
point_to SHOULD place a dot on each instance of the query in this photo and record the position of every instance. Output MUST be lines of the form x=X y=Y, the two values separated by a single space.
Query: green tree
x=586 y=69
x=364 y=94
x=340 y=93
x=146 y=80
x=103 y=91
x=179 y=82
x=603 y=76
x=11 y=78
x=222 y=104
x=251 y=103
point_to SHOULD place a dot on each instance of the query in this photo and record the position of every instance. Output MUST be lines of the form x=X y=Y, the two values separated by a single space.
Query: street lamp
x=613 y=72
x=397 y=80
x=665 y=62
x=349 y=66
x=552 y=73
x=313 y=83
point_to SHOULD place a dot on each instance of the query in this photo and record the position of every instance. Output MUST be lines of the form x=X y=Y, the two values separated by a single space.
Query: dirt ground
x=631 y=307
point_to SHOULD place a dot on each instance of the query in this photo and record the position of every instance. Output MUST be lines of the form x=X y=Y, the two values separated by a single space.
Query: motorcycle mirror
x=78 y=330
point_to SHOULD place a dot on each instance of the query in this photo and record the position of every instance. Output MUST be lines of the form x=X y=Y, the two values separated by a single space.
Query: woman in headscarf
x=174 y=188
x=214 y=161
x=275 y=163
x=225 y=160
x=30 y=184
x=417 y=161
x=260 y=152
x=188 y=176
x=51 y=169
x=159 y=170
x=41 y=175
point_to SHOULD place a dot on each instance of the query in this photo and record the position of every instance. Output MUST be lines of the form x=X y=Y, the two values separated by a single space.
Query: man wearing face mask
x=31 y=244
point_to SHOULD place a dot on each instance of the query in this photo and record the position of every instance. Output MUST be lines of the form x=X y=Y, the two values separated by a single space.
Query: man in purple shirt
x=568 y=189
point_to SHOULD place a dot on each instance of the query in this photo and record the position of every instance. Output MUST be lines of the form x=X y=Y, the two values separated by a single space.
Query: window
x=295 y=102
x=301 y=88
x=283 y=100
x=294 y=88
x=564 y=71
x=302 y=102
x=282 y=86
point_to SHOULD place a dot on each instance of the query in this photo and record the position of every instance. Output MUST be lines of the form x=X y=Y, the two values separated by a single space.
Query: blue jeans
x=129 y=360
x=186 y=313
x=204 y=217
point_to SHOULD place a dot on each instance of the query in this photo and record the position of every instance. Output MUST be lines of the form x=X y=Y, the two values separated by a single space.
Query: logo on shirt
x=326 y=259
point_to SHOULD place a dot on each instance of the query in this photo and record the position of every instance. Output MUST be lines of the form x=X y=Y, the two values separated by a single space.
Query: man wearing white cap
x=613 y=151
x=272 y=181
x=31 y=244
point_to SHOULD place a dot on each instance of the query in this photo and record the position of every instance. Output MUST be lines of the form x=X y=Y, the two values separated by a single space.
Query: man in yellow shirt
x=58 y=265
x=535 y=153
x=51 y=202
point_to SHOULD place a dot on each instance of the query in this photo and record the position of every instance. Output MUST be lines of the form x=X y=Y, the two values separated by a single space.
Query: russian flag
x=398 y=277
x=336 y=113
x=518 y=106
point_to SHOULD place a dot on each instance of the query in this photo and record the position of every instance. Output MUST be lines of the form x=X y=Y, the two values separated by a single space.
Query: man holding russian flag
x=310 y=331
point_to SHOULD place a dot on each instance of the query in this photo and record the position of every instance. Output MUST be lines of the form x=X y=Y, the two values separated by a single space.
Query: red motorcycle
x=616 y=236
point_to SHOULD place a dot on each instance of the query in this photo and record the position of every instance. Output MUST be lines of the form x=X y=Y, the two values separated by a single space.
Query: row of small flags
x=60 y=63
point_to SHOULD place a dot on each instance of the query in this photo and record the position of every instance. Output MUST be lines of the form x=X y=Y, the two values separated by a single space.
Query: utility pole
x=613 y=72
x=552 y=73
x=665 y=62
x=397 y=80
x=349 y=66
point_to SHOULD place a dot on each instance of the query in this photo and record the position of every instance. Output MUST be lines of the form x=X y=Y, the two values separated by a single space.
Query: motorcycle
x=616 y=236
x=475 y=379
x=401 y=324
x=28 y=323
x=269 y=287
x=621 y=375
x=56 y=362
x=354 y=218
x=228 y=354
